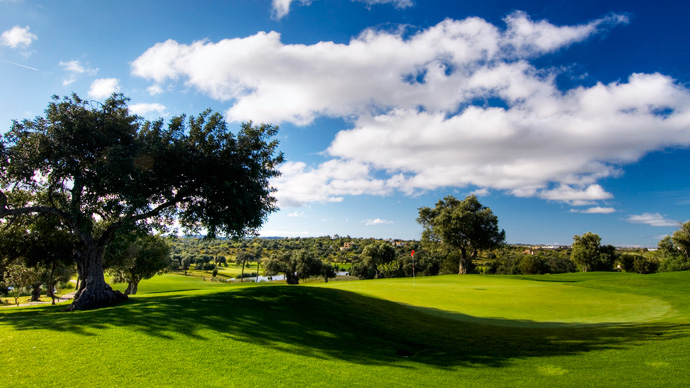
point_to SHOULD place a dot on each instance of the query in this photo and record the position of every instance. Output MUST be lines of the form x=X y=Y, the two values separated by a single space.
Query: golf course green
x=579 y=330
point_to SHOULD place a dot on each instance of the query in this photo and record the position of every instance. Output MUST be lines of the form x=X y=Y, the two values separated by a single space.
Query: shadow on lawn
x=330 y=323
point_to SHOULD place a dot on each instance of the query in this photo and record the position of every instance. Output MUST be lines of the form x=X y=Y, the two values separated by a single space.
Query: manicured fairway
x=574 y=330
x=515 y=301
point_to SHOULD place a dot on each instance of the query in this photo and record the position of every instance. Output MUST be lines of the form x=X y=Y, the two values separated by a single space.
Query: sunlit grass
x=438 y=331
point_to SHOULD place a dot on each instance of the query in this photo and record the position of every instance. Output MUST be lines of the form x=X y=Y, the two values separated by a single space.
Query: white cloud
x=17 y=37
x=327 y=182
x=272 y=82
x=483 y=192
x=596 y=210
x=653 y=219
x=144 y=109
x=419 y=108
x=104 y=87
x=280 y=8
x=575 y=196
x=154 y=90
x=376 y=221
x=399 y=4
x=75 y=68
x=296 y=214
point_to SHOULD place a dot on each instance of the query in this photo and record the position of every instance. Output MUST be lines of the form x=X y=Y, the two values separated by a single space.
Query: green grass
x=559 y=330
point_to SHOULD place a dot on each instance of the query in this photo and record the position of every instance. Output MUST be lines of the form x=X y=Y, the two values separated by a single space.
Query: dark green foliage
x=98 y=159
x=589 y=255
x=465 y=225
x=300 y=264
x=135 y=256
x=630 y=262
x=377 y=262
x=516 y=262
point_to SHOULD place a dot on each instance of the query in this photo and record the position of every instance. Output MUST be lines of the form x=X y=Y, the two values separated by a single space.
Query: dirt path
x=57 y=300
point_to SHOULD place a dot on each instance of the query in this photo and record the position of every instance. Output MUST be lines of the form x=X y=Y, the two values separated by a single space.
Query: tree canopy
x=466 y=225
x=101 y=168
x=586 y=250
x=132 y=257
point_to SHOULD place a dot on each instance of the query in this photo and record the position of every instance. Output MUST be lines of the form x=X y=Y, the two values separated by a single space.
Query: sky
x=561 y=116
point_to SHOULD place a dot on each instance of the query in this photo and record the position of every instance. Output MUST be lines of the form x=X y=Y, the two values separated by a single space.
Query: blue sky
x=562 y=116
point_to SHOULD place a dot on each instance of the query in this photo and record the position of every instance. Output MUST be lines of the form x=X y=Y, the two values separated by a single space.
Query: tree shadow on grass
x=337 y=324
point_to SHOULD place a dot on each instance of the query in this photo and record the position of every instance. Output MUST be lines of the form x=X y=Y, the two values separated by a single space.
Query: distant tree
x=373 y=257
x=586 y=250
x=186 y=263
x=19 y=278
x=465 y=225
x=242 y=258
x=681 y=239
x=296 y=265
x=135 y=256
x=673 y=252
x=327 y=272
x=101 y=169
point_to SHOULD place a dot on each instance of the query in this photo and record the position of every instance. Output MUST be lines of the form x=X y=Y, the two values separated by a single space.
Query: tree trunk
x=93 y=291
x=51 y=282
x=461 y=268
x=242 y=277
x=291 y=278
x=132 y=288
x=36 y=292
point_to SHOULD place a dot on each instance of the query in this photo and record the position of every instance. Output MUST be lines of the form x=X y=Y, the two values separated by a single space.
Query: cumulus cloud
x=74 y=68
x=328 y=182
x=17 y=37
x=420 y=112
x=144 y=109
x=376 y=221
x=280 y=8
x=653 y=219
x=104 y=87
x=297 y=214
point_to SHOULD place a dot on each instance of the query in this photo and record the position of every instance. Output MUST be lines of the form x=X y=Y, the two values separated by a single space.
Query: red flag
x=412 y=253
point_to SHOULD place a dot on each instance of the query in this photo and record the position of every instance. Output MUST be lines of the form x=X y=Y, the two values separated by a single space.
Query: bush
x=637 y=263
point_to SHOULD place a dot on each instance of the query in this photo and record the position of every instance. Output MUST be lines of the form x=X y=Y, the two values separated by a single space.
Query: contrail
x=17 y=64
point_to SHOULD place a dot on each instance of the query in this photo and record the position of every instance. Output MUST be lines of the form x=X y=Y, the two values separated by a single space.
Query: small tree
x=300 y=264
x=136 y=256
x=327 y=271
x=20 y=277
x=243 y=257
x=464 y=225
x=373 y=257
x=586 y=250
x=681 y=239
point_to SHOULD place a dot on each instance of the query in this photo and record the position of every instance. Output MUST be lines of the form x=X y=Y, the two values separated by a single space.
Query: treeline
x=370 y=258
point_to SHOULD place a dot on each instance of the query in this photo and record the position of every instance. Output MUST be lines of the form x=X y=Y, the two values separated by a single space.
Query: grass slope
x=444 y=331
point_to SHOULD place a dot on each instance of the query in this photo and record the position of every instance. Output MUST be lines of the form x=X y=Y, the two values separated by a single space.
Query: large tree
x=465 y=225
x=101 y=168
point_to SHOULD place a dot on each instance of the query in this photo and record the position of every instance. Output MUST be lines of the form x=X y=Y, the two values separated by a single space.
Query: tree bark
x=291 y=278
x=36 y=292
x=461 y=268
x=132 y=288
x=93 y=291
